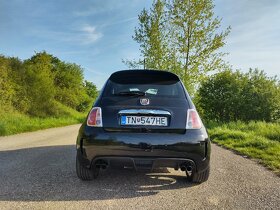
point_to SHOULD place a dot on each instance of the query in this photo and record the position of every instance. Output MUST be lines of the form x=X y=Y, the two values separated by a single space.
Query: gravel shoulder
x=37 y=171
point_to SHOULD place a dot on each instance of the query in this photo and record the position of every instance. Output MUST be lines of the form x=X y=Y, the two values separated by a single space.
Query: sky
x=97 y=34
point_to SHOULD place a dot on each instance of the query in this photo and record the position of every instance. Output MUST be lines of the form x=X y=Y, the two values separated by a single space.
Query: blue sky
x=97 y=34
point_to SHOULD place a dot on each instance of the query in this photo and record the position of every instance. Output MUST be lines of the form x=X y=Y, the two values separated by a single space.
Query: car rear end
x=143 y=119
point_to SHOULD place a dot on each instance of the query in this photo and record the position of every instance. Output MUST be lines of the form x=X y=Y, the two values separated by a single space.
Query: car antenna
x=144 y=64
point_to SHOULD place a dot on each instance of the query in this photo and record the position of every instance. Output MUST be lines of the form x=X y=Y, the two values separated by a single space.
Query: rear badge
x=144 y=101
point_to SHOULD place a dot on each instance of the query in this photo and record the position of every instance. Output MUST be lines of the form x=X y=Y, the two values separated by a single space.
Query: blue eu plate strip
x=123 y=120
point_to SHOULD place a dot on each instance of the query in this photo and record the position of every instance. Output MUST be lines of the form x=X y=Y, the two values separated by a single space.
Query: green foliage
x=197 y=39
x=68 y=80
x=257 y=140
x=39 y=86
x=151 y=35
x=6 y=86
x=89 y=95
x=18 y=75
x=13 y=122
x=182 y=37
x=91 y=89
x=230 y=96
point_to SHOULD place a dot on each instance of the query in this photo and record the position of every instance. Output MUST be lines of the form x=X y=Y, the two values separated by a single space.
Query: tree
x=20 y=100
x=181 y=36
x=230 y=96
x=39 y=84
x=151 y=36
x=43 y=86
x=6 y=85
x=218 y=96
x=71 y=90
x=68 y=79
x=91 y=89
x=89 y=96
x=260 y=96
x=196 y=39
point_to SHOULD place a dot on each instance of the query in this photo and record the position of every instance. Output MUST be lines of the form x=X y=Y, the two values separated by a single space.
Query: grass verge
x=257 y=140
x=12 y=122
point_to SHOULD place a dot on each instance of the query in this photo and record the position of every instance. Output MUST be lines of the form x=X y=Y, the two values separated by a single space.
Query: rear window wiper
x=130 y=93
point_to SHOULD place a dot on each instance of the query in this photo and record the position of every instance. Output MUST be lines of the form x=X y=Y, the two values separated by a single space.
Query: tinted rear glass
x=154 y=89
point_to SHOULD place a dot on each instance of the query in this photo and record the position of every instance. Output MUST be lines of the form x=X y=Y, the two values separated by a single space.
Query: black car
x=143 y=119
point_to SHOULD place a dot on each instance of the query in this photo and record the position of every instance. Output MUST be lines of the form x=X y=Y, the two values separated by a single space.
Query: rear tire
x=199 y=177
x=84 y=173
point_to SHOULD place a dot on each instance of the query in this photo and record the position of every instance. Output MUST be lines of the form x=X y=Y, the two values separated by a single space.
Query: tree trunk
x=188 y=52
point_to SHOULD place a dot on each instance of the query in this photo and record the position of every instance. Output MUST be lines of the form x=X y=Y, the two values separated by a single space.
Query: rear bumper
x=143 y=163
x=150 y=150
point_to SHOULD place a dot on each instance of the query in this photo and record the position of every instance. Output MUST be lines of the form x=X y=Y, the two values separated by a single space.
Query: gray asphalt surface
x=37 y=171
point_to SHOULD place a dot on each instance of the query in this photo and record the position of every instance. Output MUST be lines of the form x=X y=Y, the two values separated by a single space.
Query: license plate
x=144 y=120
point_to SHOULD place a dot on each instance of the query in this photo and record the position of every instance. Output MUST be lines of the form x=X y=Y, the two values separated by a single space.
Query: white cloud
x=90 y=35
x=82 y=35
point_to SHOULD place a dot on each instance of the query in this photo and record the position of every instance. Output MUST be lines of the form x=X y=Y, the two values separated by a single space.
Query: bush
x=231 y=96
x=37 y=85
x=6 y=86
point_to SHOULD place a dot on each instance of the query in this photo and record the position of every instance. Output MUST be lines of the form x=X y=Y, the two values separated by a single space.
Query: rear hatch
x=144 y=101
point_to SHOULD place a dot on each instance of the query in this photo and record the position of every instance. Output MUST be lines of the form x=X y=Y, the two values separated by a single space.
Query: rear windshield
x=153 y=89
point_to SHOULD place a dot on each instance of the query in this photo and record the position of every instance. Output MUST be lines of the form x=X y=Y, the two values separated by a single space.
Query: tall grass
x=258 y=140
x=12 y=122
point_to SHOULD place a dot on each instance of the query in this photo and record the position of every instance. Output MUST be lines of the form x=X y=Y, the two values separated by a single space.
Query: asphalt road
x=37 y=171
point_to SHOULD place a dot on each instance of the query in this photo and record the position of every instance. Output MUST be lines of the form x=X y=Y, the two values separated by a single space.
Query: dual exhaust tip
x=101 y=164
x=187 y=167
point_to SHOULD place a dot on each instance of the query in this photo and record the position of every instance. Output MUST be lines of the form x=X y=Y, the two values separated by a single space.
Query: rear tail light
x=95 y=117
x=193 y=120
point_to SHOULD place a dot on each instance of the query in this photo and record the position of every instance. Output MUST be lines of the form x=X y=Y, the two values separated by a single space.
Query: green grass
x=12 y=122
x=257 y=140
